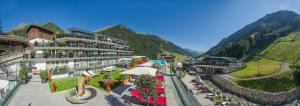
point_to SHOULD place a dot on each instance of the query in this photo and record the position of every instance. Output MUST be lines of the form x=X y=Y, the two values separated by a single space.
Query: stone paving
x=37 y=94
x=173 y=98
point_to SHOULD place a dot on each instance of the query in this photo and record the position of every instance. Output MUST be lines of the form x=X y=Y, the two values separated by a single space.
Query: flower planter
x=125 y=82
x=24 y=81
x=44 y=80
x=53 y=87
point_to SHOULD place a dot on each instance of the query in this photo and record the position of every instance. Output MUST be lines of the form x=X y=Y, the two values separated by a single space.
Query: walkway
x=37 y=94
x=173 y=99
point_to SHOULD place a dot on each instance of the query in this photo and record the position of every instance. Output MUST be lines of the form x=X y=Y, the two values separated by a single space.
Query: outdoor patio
x=37 y=94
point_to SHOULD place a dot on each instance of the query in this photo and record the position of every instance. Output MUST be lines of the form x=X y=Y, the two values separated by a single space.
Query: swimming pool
x=160 y=62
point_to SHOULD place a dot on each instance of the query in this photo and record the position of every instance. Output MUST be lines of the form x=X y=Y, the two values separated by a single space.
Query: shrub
x=124 y=77
x=53 y=87
x=23 y=72
x=173 y=69
x=102 y=72
x=44 y=74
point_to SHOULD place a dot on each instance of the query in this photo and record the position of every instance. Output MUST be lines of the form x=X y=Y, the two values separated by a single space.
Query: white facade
x=39 y=40
x=40 y=66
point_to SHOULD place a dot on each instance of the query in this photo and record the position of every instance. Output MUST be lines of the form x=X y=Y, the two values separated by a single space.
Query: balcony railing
x=55 y=46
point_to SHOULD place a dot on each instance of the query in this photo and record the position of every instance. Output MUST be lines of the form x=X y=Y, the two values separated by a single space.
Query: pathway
x=173 y=98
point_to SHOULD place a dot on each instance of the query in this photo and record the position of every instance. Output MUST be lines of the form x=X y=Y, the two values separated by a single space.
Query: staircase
x=7 y=61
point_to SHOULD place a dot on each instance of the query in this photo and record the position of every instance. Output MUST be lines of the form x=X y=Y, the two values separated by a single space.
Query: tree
x=146 y=85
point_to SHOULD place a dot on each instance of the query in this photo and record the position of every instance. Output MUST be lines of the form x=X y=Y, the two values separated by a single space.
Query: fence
x=186 y=96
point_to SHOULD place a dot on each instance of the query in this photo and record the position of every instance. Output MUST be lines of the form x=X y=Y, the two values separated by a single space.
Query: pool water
x=160 y=62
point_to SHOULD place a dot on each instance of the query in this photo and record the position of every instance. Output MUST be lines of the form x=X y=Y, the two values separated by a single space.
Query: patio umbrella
x=141 y=70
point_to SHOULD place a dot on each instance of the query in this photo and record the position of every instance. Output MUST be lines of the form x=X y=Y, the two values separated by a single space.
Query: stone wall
x=255 y=95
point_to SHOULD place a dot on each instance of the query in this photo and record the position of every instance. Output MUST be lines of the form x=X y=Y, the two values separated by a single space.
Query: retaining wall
x=255 y=95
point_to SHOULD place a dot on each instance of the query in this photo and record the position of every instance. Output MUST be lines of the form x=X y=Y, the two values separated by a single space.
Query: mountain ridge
x=142 y=43
x=256 y=36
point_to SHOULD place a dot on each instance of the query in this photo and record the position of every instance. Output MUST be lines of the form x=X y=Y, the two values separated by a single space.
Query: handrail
x=11 y=52
x=186 y=97
x=5 y=100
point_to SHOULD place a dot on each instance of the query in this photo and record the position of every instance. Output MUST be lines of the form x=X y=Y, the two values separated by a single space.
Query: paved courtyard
x=37 y=94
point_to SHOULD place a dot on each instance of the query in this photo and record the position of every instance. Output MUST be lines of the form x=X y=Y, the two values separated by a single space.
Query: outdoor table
x=160 y=90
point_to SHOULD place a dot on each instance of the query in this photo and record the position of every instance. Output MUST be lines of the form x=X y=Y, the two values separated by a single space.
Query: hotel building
x=77 y=50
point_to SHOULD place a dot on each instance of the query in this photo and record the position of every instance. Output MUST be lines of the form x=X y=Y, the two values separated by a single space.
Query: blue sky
x=195 y=24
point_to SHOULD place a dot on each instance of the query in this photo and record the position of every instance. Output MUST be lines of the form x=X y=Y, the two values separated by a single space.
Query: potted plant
x=44 y=76
x=53 y=87
x=102 y=72
x=125 y=79
x=23 y=75
x=108 y=82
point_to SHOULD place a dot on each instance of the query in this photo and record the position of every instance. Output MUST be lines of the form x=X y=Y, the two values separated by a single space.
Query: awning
x=141 y=71
x=147 y=64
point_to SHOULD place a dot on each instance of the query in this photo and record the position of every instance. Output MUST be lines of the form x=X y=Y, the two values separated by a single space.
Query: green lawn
x=266 y=67
x=285 y=48
x=68 y=83
x=282 y=83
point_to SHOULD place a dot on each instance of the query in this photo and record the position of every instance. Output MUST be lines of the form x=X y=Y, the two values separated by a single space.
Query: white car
x=225 y=103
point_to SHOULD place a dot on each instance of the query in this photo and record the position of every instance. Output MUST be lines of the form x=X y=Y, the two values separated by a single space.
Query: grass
x=64 y=84
x=281 y=83
x=68 y=83
x=284 y=49
x=266 y=67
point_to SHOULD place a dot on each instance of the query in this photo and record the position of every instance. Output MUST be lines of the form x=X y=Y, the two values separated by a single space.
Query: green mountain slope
x=255 y=37
x=142 y=44
x=22 y=28
x=285 y=49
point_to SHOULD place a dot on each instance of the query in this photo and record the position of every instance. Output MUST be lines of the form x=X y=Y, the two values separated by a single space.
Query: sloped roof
x=39 y=27
x=13 y=38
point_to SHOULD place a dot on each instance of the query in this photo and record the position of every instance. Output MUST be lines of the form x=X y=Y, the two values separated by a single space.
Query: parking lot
x=200 y=96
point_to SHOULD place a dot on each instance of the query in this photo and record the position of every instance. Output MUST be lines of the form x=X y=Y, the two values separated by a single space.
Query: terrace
x=121 y=92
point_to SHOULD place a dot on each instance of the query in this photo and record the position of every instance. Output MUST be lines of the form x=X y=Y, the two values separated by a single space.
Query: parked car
x=225 y=103
x=192 y=72
x=210 y=96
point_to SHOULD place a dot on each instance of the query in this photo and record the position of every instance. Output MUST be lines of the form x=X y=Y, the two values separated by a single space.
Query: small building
x=221 y=64
x=213 y=65
x=11 y=43
x=39 y=34
x=166 y=56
